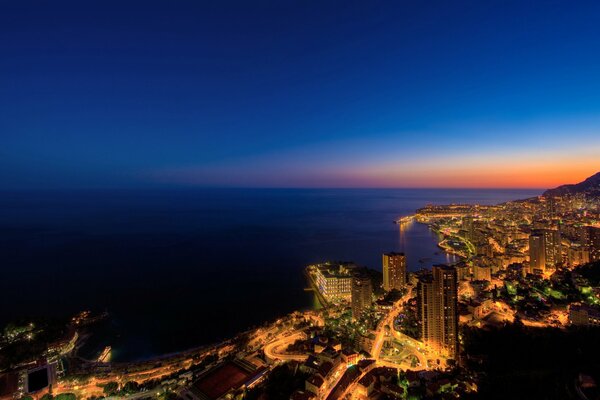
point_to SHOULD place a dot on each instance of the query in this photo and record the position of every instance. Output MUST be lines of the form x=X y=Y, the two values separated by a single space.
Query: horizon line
x=169 y=187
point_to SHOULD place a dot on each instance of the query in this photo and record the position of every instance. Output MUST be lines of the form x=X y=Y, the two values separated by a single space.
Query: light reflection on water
x=181 y=268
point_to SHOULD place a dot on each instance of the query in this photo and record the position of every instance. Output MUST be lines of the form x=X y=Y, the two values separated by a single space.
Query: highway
x=410 y=345
x=389 y=322
x=92 y=374
x=276 y=350
x=333 y=379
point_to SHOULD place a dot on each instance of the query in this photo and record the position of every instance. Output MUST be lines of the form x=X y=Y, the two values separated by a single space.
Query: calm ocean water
x=180 y=268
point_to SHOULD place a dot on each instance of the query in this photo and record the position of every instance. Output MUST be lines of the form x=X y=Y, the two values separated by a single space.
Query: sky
x=298 y=93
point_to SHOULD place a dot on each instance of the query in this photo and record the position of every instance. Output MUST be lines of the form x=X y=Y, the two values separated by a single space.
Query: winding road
x=276 y=349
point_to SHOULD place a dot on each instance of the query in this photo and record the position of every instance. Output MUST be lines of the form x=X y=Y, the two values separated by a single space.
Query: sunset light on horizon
x=350 y=166
x=352 y=96
x=299 y=200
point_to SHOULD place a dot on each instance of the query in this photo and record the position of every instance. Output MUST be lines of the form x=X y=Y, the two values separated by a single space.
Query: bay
x=177 y=268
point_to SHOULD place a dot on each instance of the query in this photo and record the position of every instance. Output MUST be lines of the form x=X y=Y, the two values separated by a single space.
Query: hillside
x=590 y=186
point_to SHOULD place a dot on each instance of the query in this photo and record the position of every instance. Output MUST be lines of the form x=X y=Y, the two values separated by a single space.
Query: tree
x=111 y=388
x=131 y=387
x=65 y=396
x=168 y=396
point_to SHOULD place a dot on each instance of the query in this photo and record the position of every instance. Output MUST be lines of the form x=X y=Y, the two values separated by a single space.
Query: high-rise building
x=584 y=235
x=578 y=255
x=467 y=226
x=394 y=271
x=553 y=248
x=551 y=206
x=545 y=250
x=537 y=253
x=361 y=294
x=437 y=297
x=592 y=242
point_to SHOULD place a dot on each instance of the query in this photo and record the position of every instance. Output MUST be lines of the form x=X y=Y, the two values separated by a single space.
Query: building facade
x=334 y=282
x=361 y=295
x=437 y=298
x=578 y=255
x=482 y=273
x=553 y=248
x=545 y=250
x=593 y=242
x=584 y=315
x=394 y=271
x=537 y=254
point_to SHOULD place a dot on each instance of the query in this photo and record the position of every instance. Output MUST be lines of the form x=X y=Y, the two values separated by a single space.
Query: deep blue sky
x=303 y=93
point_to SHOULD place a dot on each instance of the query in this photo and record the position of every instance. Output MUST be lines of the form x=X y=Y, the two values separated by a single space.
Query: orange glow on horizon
x=488 y=175
x=520 y=171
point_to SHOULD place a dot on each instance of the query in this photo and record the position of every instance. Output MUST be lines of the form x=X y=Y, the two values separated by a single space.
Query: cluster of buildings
x=512 y=260
x=523 y=255
x=393 y=336
x=345 y=282
x=37 y=369
x=437 y=295
x=437 y=299
x=546 y=248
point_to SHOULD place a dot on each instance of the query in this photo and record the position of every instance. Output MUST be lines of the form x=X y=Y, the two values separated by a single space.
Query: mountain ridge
x=590 y=185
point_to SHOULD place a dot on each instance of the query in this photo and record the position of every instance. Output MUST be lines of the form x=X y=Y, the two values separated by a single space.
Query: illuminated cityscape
x=299 y=200
x=398 y=334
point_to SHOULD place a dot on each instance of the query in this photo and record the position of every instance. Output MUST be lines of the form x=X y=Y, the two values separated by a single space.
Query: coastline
x=313 y=234
x=314 y=289
x=323 y=303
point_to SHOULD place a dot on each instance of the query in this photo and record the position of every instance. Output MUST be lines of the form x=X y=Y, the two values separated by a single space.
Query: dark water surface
x=180 y=268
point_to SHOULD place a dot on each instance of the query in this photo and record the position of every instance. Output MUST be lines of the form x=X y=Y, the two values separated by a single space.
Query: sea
x=180 y=268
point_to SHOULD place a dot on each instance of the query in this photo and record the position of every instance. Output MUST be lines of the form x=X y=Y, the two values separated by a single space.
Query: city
x=396 y=334
x=299 y=200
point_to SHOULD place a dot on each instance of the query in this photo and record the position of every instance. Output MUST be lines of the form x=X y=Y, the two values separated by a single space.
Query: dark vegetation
x=32 y=344
x=591 y=272
x=516 y=362
x=62 y=396
x=408 y=321
x=281 y=383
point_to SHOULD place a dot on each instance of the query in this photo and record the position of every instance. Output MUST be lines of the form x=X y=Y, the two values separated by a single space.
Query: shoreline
x=314 y=289
x=323 y=303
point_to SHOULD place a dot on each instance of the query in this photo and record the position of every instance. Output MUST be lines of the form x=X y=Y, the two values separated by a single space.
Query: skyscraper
x=537 y=254
x=437 y=297
x=545 y=250
x=553 y=248
x=578 y=255
x=394 y=271
x=361 y=294
x=467 y=226
x=591 y=237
